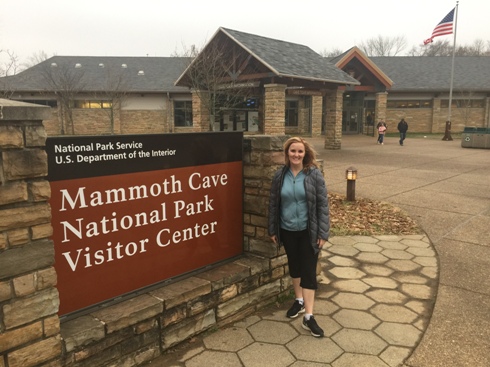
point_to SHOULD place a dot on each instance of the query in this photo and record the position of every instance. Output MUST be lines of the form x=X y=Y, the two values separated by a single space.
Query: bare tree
x=66 y=80
x=331 y=53
x=445 y=48
x=464 y=106
x=9 y=65
x=438 y=48
x=384 y=46
x=34 y=59
x=214 y=73
x=114 y=91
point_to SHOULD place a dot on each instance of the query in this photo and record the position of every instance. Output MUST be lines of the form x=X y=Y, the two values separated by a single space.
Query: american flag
x=445 y=26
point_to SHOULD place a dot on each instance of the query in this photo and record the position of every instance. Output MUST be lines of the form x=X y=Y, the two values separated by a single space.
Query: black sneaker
x=295 y=309
x=313 y=327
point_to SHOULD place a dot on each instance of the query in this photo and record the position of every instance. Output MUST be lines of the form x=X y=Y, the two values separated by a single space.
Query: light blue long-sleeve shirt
x=294 y=208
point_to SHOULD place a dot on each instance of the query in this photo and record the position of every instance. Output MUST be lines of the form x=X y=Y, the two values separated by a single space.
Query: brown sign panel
x=129 y=228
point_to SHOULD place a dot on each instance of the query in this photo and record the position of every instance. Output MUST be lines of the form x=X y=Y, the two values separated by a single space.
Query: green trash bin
x=476 y=137
x=467 y=140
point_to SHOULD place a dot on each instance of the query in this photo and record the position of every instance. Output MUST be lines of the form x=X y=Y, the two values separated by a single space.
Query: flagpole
x=447 y=135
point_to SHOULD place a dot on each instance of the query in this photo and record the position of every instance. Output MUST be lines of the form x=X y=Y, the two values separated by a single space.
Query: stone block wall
x=433 y=120
x=137 y=329
x=200 y=114
x=316 y=115
x=29 y=325
x=333 y=123
x=142 y=122
x=274 y=109
x=381 y=104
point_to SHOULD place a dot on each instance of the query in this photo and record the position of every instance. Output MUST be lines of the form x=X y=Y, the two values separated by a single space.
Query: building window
x=291 y=113
x=93 y=104
x=50 y=103
x=463 y=103
x=409 y=104
x=183 y=113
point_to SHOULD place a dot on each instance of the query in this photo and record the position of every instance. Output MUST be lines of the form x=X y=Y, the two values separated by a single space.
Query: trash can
x=476 y=137
x=467 y=137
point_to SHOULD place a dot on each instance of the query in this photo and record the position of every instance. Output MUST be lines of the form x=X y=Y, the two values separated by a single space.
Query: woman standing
x=299 y=219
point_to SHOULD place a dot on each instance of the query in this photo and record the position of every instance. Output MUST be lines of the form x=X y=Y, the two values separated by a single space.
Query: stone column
x=380 y=112
x=333 y=126
x=29 y=325
x=316 y=115
x=200 y=112
x=274 y=109
x=263 y=155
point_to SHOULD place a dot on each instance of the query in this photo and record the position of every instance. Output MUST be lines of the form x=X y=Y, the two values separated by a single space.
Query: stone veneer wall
x=200 y=114
x=333 y=120
x=141 y=122
x=274 y=109
x=316 y=115
x=380 y=110
x=134 y=331
x=433 y=120
x=29 y=325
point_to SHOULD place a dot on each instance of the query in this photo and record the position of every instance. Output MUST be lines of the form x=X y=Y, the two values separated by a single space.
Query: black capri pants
x=302 y=259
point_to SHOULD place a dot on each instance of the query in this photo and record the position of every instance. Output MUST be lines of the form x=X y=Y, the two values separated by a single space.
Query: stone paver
x=374 y=308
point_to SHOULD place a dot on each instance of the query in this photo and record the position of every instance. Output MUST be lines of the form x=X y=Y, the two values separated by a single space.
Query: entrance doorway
x=353 y=113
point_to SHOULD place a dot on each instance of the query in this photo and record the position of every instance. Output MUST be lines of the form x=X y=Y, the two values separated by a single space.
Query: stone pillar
x=29 y=325
x=263 y=155
x=316 y=115
x=333 y=126
x=200 y=112
x=274 y=109
x=381 y=102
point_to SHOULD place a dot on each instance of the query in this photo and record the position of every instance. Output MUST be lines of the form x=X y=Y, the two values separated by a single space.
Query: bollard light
x=351 y=176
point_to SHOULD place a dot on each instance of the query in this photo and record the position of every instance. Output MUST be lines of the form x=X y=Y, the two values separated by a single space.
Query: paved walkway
x=387 y=300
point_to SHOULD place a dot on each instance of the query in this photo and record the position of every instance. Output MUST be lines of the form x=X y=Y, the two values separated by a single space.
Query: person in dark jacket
x=299 y=220
x=402 y=128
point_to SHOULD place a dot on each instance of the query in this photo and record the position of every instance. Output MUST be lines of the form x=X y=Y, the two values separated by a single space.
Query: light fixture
x=351 y=177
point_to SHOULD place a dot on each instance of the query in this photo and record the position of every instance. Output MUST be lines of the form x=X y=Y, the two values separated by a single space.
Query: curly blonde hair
x=309 y=159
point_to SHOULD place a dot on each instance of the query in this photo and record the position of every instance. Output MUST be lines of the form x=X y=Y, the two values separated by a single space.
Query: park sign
x=131 y=211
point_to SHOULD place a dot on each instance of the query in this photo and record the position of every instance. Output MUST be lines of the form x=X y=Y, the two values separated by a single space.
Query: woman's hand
x=274 y=239
x=320 y=242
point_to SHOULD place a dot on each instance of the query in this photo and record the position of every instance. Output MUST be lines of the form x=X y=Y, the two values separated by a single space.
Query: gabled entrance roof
x=357 y=64
x=275 y=60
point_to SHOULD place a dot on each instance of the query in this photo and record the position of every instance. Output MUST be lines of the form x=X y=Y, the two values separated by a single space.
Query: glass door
x=351 y=120
x=352 y=114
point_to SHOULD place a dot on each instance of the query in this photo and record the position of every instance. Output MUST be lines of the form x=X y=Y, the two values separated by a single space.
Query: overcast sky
x=162 y=27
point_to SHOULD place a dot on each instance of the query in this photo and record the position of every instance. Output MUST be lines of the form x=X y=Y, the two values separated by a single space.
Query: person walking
x=402 y=128
x=299 y=220
x=381 y=132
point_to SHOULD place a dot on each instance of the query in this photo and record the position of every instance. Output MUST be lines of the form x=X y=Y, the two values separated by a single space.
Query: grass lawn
x=437 y=136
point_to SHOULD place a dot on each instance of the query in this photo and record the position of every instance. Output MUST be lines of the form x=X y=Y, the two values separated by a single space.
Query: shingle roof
x=429 y=74
x=290 y=59
x=159 y=73
x=411 y=74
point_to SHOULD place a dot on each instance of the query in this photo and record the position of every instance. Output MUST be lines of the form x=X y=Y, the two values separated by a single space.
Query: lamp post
x=351 y=176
